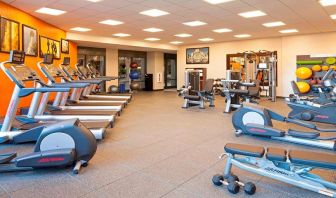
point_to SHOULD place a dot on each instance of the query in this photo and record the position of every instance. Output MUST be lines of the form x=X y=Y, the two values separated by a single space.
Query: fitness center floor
x=157 y=149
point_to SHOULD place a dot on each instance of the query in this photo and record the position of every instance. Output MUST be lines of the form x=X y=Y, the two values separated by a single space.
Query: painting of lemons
x=10 y=39
x=49 y=46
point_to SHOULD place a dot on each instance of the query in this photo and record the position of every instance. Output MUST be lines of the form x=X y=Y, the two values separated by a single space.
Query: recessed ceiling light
x=95 y=1
x=183 y=35
x=50 y=11
x=121 y=35
x=222 y=30
x=206 y=39
x=333 y=16
x=274 y=24
x=111 y=22
x=154 y=13
x=242 y=35
x=288 y=31
x=152 y=39
x=327 y=2
x=256 y=13
x=217 y=1
x=194 y=23
x=80 y=29
x=153 y=30
x=176 y=42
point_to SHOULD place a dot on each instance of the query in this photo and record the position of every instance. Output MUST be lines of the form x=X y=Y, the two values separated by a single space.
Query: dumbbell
x=233 y=184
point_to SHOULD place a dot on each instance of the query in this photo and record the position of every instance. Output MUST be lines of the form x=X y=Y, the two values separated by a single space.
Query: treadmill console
x=17 y=57
x=48 y=59
x=66 y=61
x=18 y=72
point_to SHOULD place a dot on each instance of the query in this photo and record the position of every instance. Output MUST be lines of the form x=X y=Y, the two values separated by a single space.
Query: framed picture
x=64 y=46
x=50 y=46
x=197 y=55
x=29 y=40
x=10 y=38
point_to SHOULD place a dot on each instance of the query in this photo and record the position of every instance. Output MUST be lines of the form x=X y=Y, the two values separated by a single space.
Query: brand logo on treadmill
x=322 y=116
x=277 y=171
x=257 y=130
x=51 y=159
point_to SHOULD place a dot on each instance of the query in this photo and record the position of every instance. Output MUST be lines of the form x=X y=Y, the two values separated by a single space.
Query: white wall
x=111 y=65
x=287 y=48
x=155 y=66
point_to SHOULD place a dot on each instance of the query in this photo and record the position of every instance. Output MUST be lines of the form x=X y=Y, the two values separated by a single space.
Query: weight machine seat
x=191 y=97
x=243 y=149
x=239 y=91
x=309 y=158
x=276 y=154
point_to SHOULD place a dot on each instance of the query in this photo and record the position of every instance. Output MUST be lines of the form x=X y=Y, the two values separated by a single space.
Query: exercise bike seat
x=191 y=97
x=276 y=154
x=314 y=159
x=5 y=158
x=242 y=149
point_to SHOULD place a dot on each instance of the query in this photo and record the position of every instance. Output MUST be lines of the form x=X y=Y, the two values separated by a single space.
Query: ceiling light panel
x=154 y=13
x=251 y=14
x=121 y=35
x=95 y=1
x=176 y=42
x=217 y=1
x=111 y=22
x=288 y=31
x=153 y=30
x=50 y=11
x=152 y=39
x=242 y=35
x=80 y=29
x=205 y=39
x=327 y=2
x=194 y=23
x=183 y=35
x=222 y=30
x=274 y=24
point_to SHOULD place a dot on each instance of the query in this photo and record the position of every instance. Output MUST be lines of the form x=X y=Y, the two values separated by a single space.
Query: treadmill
x=52 y=73
x=92 y=73
x=20 y=74
x=89 y=72
x=77 y=97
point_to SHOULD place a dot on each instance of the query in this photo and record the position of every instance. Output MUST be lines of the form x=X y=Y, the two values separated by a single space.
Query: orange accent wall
x=43 y=29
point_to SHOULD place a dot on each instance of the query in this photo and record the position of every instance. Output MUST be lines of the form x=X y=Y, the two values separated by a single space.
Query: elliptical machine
x=321 y=109
x=255 y=120
x=57 y=145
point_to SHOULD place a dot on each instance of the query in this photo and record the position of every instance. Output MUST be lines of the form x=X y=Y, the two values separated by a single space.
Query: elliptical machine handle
x=308 y=125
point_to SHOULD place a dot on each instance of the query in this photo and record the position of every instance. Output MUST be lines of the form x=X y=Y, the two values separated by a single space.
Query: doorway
x=170 y=70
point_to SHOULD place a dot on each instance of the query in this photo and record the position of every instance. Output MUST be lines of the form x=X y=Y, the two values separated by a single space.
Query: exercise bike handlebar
x=308 y=125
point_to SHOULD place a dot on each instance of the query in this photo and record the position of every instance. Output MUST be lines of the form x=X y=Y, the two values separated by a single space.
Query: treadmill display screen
x=66 y=61
x=48 y=59
x=17 y=57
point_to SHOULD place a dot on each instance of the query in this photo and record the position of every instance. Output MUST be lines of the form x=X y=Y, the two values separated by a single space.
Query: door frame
x=166 y=57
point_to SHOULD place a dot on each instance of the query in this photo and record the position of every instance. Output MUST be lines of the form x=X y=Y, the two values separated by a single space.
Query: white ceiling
x=308 y=16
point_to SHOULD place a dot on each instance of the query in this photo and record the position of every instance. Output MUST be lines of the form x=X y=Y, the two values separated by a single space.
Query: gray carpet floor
x=156 y=149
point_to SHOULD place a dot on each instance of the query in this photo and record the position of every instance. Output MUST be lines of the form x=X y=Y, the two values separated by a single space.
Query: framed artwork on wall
x=64 y=46
x=29 y=40
x=10 y=38
x=197 y=55
x=49 y=46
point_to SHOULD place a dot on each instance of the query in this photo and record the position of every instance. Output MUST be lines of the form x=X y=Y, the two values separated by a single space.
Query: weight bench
x=200 y=97
x=290 y=166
